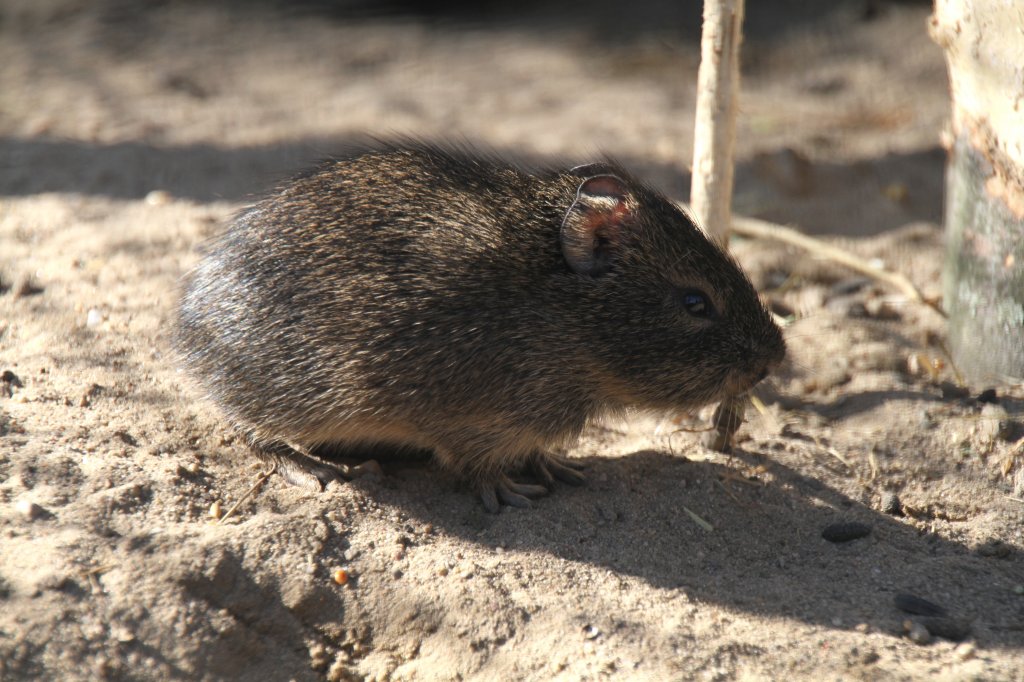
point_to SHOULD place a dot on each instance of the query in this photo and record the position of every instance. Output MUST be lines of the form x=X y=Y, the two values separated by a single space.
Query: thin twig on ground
x=762 y=229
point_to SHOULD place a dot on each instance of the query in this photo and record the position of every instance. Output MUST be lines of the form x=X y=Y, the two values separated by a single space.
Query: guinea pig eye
x=696 y=303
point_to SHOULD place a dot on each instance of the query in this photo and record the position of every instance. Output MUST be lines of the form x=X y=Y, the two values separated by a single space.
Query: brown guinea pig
x=428 y=298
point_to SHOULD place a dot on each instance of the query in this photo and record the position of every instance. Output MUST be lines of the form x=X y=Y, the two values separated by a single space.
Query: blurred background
x=841 y=109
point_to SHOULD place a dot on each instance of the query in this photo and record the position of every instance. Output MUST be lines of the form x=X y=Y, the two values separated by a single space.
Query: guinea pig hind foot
x=299 y=469
x=504 y=490
x=548 y=468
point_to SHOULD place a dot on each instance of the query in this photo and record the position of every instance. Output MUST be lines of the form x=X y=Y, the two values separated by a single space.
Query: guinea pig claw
x=551 y=467
x=312 y=477
x=510 y=493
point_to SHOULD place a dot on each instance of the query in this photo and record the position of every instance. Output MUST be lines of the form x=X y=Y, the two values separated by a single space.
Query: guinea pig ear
x=595 y=224
x=589 y=170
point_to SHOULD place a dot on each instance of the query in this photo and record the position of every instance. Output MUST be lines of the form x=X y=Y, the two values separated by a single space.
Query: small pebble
x=891 y=504
x=341 y=576
x=30 y=510
x=845 y=531
x=158 y=197
x=215 y=510
x=916 y=633
x=965 y=651
x=93 y=318
x=591 y=632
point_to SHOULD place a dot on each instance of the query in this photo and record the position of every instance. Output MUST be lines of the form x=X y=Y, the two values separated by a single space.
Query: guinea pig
x=412 y=296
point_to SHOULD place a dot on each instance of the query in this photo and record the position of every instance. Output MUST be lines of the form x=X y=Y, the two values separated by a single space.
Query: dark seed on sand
x=845 y=532
x=909 y=603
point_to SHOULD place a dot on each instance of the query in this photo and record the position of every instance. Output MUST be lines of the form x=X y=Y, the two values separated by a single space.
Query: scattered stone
x=158 y=197
x=93 y=318
x=918 y=606
x=845 y=531
x=30 y=510
x=965 y=651
x=215 y=511
x=917 y=633
x=891 y=504
x=591 y=632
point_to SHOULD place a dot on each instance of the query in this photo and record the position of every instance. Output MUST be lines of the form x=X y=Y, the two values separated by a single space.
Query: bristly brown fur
x=419 y=296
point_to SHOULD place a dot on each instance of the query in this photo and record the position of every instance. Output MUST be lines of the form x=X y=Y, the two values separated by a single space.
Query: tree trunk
x=984 y=274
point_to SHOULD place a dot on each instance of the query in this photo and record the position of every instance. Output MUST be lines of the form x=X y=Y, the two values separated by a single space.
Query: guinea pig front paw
x=504 y=490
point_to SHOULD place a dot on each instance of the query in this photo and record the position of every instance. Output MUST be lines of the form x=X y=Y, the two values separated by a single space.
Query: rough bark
x=984 y=273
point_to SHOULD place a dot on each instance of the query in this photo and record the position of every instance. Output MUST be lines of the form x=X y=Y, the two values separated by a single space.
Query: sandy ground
x=129 y=132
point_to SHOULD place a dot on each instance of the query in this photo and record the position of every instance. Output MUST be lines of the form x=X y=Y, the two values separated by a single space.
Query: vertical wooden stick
x=715 y=124
x=718 y=83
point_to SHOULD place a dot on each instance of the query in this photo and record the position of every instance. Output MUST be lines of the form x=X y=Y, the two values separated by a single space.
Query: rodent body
x=420 y=297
